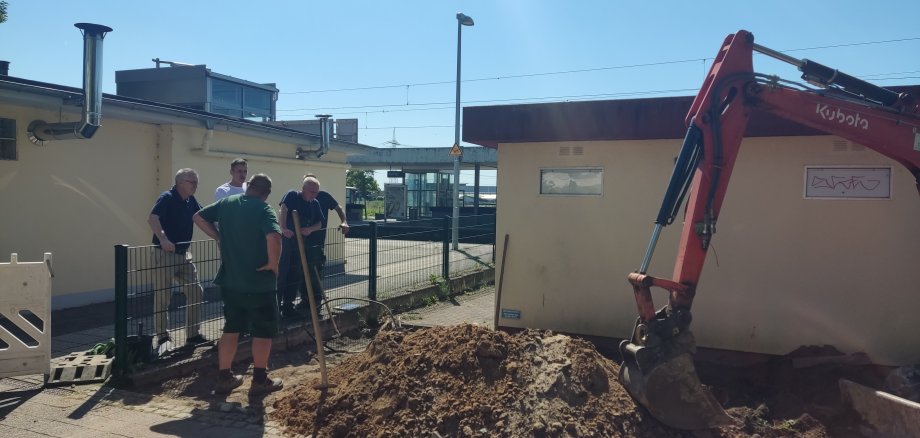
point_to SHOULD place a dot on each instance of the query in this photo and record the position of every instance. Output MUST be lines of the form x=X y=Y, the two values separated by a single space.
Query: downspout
x=92 y=92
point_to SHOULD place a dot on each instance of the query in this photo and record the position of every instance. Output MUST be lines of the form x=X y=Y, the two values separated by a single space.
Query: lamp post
x=462 y=20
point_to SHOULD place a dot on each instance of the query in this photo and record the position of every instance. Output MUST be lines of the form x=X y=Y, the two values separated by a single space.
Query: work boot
x=196 y=340
x=266 y=386
x=164 y=344
x=225 y=384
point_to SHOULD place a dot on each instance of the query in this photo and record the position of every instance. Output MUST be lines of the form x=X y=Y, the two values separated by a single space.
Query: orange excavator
x=658 y=369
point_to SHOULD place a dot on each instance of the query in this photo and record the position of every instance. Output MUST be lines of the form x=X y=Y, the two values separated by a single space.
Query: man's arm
x=273 y=246
x=306 y=231
x=154 y=222
x=282 y=221
x=344 y=225
x=206 y=226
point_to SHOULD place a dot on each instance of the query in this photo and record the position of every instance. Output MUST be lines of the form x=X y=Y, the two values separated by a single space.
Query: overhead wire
x=427 y=106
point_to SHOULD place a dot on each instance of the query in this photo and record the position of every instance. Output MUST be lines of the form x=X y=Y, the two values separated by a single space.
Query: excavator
x=658 y=369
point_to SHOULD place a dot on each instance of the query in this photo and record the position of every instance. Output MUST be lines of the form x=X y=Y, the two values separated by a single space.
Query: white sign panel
x=848 y=182
x=571 y=181
x=394 y=201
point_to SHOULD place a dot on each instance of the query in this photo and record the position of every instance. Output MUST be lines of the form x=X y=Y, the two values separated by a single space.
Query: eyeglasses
x=192 y=182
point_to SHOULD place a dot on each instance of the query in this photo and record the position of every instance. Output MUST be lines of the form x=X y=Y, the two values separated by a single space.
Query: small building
x=77 y=198
x=580 y=186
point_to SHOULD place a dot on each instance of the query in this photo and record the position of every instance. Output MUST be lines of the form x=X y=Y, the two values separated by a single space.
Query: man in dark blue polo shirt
x=315 y=244
x=172 y=226
x=290 y=274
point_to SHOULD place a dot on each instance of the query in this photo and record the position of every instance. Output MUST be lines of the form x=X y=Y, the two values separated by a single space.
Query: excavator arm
x=657 y=358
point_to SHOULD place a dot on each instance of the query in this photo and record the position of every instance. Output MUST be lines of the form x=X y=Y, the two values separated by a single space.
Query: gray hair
x=182 y=173
x=311 y=180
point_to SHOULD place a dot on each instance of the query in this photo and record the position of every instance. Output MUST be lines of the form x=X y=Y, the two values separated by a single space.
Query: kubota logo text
x=837 y=115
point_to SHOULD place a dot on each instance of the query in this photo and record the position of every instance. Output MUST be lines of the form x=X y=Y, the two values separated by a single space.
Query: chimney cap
x=93 y=28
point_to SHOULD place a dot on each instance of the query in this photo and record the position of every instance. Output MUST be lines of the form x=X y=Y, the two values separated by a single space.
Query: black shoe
x=266 y=386
x=196 y=340
x=288 y=311
x=225 y=385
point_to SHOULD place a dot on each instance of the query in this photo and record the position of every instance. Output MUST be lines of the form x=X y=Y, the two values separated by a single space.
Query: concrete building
x=785 y=270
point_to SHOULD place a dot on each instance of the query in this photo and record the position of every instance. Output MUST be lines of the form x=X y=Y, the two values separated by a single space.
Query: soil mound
x=468 y=380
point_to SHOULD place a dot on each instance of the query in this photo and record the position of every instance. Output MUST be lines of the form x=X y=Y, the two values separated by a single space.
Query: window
x=257 y=100
x=572 y=181
x=8 y=139
x=241 y=101
x=226 y=93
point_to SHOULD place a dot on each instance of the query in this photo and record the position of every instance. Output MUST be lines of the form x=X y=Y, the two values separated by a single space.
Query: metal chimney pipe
x=325 y=134
x=92 y=92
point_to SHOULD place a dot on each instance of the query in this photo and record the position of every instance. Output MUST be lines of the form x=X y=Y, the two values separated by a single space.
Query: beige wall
x=783 y=271
x=79 y=198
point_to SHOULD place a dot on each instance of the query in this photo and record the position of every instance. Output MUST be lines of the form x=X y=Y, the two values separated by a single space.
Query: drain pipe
x=92 y=92
x=325 y=134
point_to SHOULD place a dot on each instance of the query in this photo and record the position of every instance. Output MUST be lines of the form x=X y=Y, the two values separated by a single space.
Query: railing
x=376 y=261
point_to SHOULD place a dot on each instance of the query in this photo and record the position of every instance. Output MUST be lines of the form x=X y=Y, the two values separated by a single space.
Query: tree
x=364 y=181
x=3 y=6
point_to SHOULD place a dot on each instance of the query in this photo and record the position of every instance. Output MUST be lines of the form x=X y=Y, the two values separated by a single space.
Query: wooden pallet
x=80 y=367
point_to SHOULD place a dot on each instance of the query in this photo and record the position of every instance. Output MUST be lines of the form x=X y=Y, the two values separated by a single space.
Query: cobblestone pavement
x=96 y=410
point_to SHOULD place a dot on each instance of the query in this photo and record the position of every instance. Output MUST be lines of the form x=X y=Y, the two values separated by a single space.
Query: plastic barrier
x=25 y=317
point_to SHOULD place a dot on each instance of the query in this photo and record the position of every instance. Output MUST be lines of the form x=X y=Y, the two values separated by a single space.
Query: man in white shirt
x=237 y=183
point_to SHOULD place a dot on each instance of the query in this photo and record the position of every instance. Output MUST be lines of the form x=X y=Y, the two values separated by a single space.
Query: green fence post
x=372 y=263
x=121 y=309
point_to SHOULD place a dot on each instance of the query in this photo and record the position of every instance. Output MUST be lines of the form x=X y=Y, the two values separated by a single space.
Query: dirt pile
x=471 y=381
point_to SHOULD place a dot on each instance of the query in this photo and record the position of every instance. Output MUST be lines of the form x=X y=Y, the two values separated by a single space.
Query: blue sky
x=392 y=64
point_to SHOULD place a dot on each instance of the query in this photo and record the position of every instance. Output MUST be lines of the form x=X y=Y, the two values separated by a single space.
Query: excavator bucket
x=673 y=394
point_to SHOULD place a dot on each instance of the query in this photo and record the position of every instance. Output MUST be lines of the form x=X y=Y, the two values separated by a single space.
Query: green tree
x=3 y=6
x=364 y=181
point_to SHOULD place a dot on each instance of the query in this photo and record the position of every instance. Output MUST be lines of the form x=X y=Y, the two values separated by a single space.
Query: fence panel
x=172 y=294
x=168 y=294
x=476 y=244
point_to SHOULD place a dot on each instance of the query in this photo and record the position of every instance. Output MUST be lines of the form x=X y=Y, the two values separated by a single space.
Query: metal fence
x=175 y=295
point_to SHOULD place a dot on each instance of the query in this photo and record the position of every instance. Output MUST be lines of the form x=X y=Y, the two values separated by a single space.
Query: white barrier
x=25 y=317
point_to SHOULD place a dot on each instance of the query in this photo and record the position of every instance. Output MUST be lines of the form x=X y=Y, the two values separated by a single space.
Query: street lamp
x=462 y=20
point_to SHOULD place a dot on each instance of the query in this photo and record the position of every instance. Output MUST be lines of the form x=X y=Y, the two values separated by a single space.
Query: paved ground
x=95 y=410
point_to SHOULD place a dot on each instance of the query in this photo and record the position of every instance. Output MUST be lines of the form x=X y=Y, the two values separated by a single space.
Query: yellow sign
x=456 y=151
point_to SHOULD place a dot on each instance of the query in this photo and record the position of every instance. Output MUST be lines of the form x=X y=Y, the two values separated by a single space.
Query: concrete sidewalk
x=95 y=410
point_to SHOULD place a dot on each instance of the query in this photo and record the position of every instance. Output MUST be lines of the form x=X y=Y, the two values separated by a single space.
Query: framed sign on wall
x=847 y=182
x=572 y=181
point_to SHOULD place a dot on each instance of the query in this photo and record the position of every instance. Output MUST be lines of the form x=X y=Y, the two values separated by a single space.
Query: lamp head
x=464 y=19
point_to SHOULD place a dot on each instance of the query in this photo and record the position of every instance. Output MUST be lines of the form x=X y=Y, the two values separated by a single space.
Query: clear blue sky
x=392 y=64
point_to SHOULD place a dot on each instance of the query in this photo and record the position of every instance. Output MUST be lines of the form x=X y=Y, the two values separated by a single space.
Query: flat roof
x=606 y=120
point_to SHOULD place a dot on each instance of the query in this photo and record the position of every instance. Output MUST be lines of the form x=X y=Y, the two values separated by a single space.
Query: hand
x=287 y=233
x=344 y=227
x=167 y=245
x=306 y=231
x=270 y=267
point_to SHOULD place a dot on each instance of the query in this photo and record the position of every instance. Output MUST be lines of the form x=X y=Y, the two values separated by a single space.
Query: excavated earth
x=470 y=381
